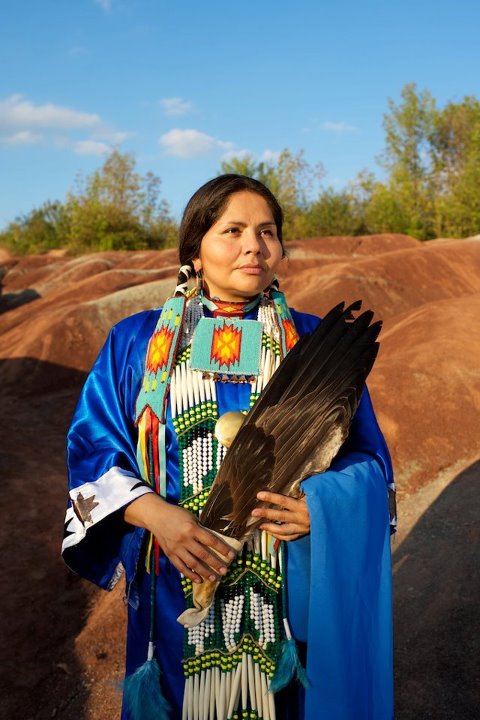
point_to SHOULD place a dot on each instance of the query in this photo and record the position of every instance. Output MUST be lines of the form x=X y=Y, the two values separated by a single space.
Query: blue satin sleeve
x=347 y=615
x=101 y=457
x=339 y=593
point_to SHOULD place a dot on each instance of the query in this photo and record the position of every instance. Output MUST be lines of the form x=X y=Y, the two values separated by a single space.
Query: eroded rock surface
x=55 y=313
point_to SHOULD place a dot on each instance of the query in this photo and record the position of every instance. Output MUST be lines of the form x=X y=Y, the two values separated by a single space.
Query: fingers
x=193 y=550
x=284 y=501
x=185 y=570
x=205 y=558
x=198 y=561
x=212 y=541
x=192 y=567
x=281 y=533
x=279 y=516
x=286 y=531
x=288 y=520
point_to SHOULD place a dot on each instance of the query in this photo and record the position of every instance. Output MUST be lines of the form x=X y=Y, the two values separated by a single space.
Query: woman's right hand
x=193 y=550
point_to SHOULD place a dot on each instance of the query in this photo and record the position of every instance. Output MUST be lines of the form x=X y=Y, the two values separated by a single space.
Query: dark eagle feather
x=299 y=422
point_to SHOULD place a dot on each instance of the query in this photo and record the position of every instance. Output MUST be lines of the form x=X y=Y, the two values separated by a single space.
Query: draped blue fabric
x=338 y=578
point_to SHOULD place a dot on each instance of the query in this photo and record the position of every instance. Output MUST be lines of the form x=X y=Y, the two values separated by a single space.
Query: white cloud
x=91 y=147
x=240 y=154
x=16 y=111
x=23 y=137
x=269 y=155
x=105 y=4
x=191 y=143
x=115 y=137
x=175 y=106
x=61 y=126
x=266 y=156
x=340 y=128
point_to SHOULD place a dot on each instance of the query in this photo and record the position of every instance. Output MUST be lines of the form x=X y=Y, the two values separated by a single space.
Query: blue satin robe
x=338 y=577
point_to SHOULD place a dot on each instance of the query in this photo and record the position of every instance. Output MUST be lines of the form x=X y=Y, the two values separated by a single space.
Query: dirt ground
x=62 y=641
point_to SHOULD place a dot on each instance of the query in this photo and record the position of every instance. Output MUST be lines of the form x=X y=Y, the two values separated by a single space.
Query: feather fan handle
x=300 y=420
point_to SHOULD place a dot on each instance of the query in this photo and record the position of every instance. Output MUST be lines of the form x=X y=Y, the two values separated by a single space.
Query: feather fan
x=296 y=427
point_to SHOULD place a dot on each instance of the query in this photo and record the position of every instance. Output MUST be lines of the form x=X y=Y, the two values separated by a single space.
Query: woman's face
x=241 y=251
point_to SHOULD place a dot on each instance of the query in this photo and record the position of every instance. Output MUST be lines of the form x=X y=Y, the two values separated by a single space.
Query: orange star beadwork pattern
x=226 y=342
x=291 y=335
x=159 y=350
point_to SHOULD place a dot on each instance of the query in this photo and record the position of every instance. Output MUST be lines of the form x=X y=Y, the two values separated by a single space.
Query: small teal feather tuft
x=288 y=666
x=142 y=693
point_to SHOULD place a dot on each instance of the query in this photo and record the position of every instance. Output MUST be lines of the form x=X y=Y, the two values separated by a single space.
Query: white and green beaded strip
x=228 y=679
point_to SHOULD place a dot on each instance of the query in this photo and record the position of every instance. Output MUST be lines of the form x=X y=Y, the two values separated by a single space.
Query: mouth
x=252 y=269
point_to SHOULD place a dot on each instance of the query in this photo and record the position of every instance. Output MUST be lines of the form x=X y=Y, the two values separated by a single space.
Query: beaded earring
x=199 y=281
x=274 y=285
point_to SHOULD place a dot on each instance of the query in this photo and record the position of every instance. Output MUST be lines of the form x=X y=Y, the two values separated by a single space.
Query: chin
x=253 y=285
x=236 y=294
x=249 y=290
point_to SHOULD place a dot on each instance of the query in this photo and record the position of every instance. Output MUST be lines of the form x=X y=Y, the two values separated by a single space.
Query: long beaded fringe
x=230 y=657
x=235 y=684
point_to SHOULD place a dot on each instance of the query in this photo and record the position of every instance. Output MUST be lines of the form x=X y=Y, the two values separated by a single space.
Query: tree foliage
x=431 y=162
x=38 y=231
x=114 y=208
x=432 y=156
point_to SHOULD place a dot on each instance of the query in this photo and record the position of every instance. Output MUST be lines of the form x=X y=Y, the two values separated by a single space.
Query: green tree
x=456 y=163
x=335 y=213
x=116 y=208
x=385 y=213
x=38 y=231
x=458 y=210
x=409 y=128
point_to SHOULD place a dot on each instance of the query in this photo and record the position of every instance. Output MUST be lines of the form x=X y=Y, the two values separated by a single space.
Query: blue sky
x=183 y=84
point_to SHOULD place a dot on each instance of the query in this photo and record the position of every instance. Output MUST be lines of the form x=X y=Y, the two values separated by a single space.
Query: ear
x=197 y=264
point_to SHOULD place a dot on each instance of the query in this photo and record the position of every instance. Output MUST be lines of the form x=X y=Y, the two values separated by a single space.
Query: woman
x=142 y=454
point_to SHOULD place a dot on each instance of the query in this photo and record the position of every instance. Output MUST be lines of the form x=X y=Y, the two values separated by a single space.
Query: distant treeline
x=432 y=189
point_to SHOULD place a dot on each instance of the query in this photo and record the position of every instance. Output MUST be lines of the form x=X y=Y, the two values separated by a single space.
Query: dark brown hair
x=208 y=203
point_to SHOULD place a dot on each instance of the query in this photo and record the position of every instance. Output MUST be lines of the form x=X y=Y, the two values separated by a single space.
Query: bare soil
x=62 y=641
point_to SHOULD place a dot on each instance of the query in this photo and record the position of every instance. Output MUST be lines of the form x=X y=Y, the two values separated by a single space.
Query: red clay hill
x=63 y=642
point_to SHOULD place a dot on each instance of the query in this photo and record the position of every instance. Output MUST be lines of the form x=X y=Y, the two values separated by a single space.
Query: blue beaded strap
x=161 y=354
x=286 y=326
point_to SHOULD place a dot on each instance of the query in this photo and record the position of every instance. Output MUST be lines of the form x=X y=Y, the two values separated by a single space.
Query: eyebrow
x=239 y=222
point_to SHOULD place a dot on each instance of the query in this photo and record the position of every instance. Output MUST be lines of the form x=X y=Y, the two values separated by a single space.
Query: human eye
x=267 y=233
x=232 y=230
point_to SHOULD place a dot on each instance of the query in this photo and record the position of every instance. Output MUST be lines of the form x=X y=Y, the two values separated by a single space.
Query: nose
x=251 y=241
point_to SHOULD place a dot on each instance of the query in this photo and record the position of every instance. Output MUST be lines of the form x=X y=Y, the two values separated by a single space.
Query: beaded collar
x=228 y=308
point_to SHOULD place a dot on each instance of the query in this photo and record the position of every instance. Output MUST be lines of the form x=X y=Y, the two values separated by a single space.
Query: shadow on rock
x=436 y=608
x=29 y=377
x=10 y=301
x=43 y=606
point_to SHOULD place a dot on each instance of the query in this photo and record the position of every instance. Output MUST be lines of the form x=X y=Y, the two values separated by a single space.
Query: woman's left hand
x=291 y=512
